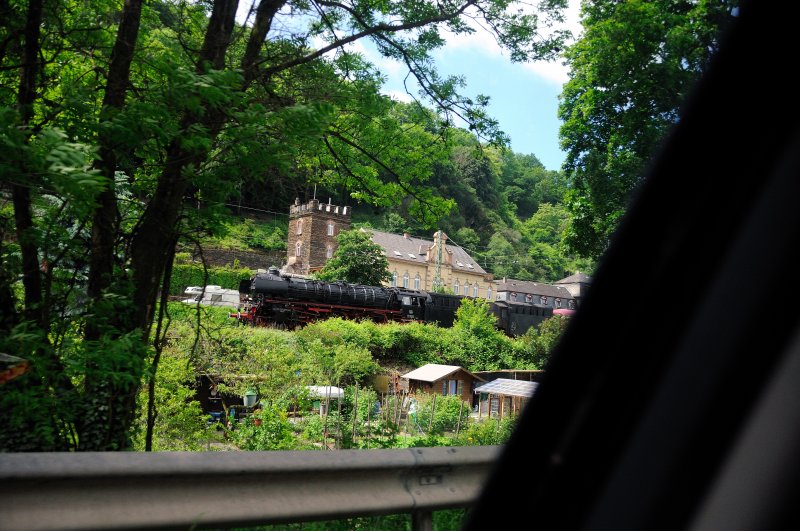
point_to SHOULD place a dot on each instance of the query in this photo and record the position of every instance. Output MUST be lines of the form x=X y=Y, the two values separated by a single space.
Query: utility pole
x=437 y=278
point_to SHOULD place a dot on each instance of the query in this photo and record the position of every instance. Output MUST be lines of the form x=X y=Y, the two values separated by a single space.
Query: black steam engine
x=288 y=302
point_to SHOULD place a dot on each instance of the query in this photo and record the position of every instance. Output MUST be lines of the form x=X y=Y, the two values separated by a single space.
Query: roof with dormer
x=534 y=288
x=413 y=249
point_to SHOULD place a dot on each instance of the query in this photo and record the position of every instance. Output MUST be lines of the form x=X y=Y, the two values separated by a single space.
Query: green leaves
x=357 y=260
x=49 y=162
x=630 y=73
x=178 y=141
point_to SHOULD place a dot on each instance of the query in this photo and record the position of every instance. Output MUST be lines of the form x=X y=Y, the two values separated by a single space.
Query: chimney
x=405 y=235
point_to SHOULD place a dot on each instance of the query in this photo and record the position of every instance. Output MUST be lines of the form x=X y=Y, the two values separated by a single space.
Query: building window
x=416 y=281
x=528 y=298
x=466 y=288
x=475 y=290
x=571 y=305
x=452 y=387
x=558 y=302
x=329 y=251
x=330 y=228
x=299 y=226
x=298 y=249
x=543 y=300
x=405 y=280
x=489 y=293
x=456 y=287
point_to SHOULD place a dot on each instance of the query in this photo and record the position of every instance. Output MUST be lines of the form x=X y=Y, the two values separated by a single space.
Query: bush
x=180 y=423
x=445 y=409
x=475 y=342
x=536 y=345
x=488 y=432
x=274 y=433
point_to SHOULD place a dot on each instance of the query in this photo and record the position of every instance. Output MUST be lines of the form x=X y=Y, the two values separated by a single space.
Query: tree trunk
x=106 y=427
x=105 y=220
x=23 y=216
x=156 y=235
x=153 y=243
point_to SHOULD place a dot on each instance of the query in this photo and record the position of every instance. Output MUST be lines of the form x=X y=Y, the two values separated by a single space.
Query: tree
x=527 y=184
x=128 y=130
x=503 y=256
x=538 y=343
x=477 y=344
x=468 y=239
x=629 y=74
x=357 y=259
x=543 y=235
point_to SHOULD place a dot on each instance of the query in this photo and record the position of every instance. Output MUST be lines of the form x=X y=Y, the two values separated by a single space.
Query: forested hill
x=506 y=209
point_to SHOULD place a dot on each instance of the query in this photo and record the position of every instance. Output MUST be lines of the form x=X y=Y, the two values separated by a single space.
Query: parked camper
x=212 y=295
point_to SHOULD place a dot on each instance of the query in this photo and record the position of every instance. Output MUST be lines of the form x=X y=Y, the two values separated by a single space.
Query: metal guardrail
x=119 y=490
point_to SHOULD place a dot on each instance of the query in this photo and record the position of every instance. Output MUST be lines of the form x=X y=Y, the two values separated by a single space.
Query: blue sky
x=523 y=97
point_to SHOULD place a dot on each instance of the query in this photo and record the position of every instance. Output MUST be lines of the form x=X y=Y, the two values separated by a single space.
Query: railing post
x=422 y=521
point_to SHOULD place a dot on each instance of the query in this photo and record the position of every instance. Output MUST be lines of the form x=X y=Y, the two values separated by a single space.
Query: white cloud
x=552 y=71
x=398 y=95
x=483 y=43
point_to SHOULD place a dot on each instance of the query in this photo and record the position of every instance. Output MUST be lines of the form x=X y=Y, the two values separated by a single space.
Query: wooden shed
x=442 y=380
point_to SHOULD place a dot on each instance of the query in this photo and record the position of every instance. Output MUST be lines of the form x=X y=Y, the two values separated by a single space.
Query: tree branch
x=368 y=31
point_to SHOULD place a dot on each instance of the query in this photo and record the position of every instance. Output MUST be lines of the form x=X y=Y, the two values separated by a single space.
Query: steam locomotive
x=272 y=299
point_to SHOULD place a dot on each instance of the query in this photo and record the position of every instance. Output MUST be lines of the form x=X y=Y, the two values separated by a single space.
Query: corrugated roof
x=506 y=387
x=431 y=372
x=412 y=249
x=534 y=288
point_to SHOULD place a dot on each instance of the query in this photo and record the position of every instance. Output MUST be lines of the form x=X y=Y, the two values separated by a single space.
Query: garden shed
x=502 y=396
x=442 y=379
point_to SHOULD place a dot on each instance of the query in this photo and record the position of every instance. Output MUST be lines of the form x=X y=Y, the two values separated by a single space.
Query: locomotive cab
x=412 y=304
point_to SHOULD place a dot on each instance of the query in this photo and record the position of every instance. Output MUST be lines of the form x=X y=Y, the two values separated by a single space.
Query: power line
x=256 y=209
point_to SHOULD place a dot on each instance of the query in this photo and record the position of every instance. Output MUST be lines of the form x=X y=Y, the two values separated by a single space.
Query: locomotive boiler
x=272 y=299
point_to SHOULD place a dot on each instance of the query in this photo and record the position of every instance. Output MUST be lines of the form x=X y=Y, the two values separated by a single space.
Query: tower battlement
x=315 y=207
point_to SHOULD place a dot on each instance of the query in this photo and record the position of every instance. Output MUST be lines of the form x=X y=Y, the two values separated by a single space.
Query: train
x=283 y=301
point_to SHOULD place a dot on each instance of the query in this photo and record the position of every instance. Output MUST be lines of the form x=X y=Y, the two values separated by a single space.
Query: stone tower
x=313 y=228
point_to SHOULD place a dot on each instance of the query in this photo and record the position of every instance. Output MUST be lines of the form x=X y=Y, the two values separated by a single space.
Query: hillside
x=506 y=210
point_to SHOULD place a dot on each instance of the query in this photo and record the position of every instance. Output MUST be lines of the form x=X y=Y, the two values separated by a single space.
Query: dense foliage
x=356 y=259
x=629 y=74
x=508 y=212
x=126 y=130
x=278 y=365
